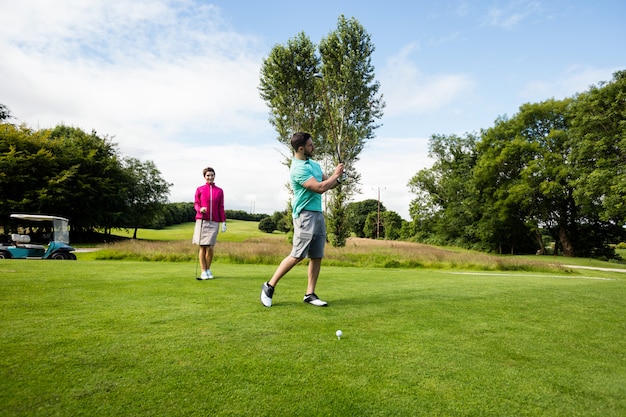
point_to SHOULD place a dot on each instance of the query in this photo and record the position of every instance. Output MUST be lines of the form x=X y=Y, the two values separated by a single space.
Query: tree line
x=82 y=176
x=551 y=178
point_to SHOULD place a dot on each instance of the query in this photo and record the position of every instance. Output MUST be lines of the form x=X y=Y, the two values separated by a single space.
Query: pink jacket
x=211 y=197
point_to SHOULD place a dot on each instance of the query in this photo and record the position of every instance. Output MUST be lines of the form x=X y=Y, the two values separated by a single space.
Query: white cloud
x=407 y=90
x=170 y=83
x=576 y=79
x=387 y=165
x=139 y=71
x=255 y=176
x=167 y=81
x=251 y=176
x=511 y=14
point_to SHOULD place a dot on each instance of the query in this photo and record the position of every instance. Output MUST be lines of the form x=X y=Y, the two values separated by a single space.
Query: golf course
x=127 y=330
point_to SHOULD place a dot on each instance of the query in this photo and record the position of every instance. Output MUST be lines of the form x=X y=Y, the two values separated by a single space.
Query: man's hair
x=207 y=169
x=299 y=139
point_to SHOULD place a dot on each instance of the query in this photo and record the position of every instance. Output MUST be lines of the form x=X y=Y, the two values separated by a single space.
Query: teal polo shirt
x=300 y=171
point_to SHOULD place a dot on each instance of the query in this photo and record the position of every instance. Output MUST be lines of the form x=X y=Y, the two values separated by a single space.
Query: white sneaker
x=203 y=275
x=267 y=292
x=314 y=300
x=209 y=275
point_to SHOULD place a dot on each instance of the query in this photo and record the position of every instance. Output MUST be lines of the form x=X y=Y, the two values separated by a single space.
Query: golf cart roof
x=38 y=217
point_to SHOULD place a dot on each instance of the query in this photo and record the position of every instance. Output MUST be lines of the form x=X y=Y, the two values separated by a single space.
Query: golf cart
x=50 y=230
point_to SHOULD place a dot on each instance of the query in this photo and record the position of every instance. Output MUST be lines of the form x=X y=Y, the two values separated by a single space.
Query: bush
x=267 y=225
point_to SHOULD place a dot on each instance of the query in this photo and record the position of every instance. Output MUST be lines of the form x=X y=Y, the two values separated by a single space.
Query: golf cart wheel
x=71 y=256
x=5 y=255
x=58 y=255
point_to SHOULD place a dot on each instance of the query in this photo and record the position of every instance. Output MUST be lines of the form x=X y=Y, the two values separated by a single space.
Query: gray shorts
x=309 y=235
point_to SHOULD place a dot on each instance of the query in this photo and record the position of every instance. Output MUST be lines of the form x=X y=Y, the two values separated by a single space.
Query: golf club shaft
x=199 y=242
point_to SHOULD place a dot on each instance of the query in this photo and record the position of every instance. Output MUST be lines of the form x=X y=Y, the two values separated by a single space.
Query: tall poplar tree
x=288 y=87
x=343 y=105
x=354 y=107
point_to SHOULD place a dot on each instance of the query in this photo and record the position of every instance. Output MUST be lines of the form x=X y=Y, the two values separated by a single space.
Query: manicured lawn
x=237 y=231
x=116 y=338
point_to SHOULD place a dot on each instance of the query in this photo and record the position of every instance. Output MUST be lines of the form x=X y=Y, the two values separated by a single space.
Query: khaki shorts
x=309 y=235
x=208 y=235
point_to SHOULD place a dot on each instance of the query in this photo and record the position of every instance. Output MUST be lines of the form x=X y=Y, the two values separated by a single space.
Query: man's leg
x=315 y=265
x=267 y=289
x=285 y=266
x=314 y=272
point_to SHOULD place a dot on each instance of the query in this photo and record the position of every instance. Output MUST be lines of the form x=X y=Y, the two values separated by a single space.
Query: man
x=309 y=238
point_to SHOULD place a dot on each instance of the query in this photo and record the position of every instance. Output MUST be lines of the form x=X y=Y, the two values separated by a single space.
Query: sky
x=176 y=81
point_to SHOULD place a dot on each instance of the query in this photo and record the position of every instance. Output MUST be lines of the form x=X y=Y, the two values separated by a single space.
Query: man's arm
x=327 y=183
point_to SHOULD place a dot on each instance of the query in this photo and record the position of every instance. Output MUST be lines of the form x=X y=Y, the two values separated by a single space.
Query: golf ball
x=339 y=333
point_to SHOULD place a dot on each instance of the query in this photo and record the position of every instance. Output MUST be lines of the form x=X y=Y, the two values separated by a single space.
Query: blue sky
x=175 y=81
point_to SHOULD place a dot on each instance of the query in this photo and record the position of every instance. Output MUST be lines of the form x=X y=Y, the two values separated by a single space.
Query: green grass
x=238 y=231
x=245 y=244
x=118 y=338
x=458 y=334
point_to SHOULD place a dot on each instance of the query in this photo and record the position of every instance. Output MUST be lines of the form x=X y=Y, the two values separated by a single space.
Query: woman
x=209 y=206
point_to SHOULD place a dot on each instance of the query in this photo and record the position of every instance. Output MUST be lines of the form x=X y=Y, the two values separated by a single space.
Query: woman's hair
x=299 y=139
x=207 y=169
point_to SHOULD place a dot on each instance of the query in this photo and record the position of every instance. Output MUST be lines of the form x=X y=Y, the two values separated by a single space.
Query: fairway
x=115 y=338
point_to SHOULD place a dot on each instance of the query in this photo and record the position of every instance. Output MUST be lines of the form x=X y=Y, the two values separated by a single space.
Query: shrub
x=267 y=225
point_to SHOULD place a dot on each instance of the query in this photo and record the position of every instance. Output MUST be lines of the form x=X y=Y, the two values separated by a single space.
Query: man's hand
x=341 y=173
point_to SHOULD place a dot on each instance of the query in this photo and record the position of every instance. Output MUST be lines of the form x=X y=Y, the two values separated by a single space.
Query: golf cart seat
x=17 y=238
x=24 y=241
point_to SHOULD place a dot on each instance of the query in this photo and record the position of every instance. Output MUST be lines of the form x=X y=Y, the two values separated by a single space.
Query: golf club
x=199 y=241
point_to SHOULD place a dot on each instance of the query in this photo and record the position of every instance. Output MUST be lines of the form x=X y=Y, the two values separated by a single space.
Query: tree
x=146 y=193
x=599 y=134
x=289 y=89
x=267 y=225
x=387 y=226
x=423 y=212
x=282 y=220
x=296 y=99
x=357 y=213
x=178 y=213
x=62 y=171
x=555 y=167
x=392 y=224
x=354 y=105
x=68 y=172
x=446 y=199
x=24 y=165
x=5 y=113
x=89 y=181
x=516 y=156
x=528 y=164
x=371 y=226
